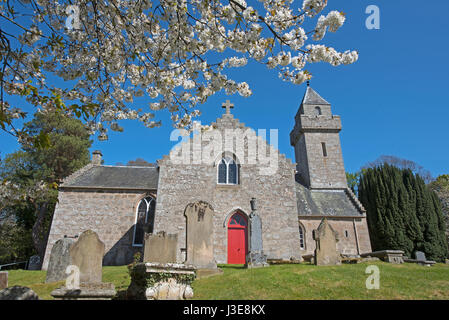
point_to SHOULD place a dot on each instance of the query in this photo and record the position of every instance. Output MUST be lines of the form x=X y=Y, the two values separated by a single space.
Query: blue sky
x=393 y=101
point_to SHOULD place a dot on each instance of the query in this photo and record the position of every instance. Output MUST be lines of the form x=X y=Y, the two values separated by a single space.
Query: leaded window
x=228 y=171
x=144 y=220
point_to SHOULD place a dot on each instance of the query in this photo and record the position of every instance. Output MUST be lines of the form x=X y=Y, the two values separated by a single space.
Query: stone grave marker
x=34 y=263
x=255 y=257
x=326 y=239
x=87 y=254
x=200 y=247
x=420 y=256
x=59 y=260
x=160 y=247
x=3 y=280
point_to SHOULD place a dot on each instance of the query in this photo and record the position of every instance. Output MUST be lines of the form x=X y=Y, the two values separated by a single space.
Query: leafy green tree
x=441 y=187
x=30 y=176
x=402 y=212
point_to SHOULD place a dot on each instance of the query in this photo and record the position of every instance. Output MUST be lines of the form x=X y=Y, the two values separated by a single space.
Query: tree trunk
x=39 y=235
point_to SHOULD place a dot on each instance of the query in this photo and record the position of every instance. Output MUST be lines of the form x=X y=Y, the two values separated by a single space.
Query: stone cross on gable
x=228 y=105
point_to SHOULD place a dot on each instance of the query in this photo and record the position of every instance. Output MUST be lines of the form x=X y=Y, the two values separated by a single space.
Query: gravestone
x=160 y=247
x=59 y=260
x=420 y=256
x=34 y=263
x=3 y=280
x=200 y=247
x=326 y=239
x=391 y=256
x=255 y=256
x=18 y=293
x=87 y=254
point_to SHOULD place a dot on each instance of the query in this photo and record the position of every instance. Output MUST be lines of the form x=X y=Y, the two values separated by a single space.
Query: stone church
x=122 y=203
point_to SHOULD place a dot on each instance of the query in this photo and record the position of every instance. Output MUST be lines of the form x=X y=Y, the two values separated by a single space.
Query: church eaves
x=115 y=177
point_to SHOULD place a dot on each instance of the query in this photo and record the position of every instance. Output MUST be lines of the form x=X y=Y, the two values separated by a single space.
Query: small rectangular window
x=323 y=145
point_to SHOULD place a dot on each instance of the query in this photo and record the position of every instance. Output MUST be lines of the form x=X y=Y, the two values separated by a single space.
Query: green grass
x=303 y=281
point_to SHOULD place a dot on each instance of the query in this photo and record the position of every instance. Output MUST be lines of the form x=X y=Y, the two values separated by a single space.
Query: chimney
x=96 y=158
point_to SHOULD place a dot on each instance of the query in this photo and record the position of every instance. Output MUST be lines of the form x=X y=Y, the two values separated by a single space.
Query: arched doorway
x=237 y=238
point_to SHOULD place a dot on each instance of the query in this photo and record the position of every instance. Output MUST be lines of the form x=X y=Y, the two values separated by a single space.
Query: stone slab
x=18 y=293
x=391 y=256
x=427 y=263
x=200 y=245
x=59 y=260
x=160 y=247
x=87 y=254
x=326 y=239
x=3 y=280
x=206 y=273
x=93 y=291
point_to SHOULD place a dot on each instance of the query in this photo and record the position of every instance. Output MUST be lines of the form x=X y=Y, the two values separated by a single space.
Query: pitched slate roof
x=312 y=97
x=335 y=202
x=115 y=177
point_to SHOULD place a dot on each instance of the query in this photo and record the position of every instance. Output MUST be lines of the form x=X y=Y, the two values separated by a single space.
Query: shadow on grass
x=231 y=266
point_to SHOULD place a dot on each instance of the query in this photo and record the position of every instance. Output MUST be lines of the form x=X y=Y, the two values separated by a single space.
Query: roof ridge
x=312 y=97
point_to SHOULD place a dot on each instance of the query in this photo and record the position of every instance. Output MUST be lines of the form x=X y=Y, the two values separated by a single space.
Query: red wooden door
x=237 y=239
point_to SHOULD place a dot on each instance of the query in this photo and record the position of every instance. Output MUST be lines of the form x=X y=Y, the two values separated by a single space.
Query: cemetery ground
x=288 y=281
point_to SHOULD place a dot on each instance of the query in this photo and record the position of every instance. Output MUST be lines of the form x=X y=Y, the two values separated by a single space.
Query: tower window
x=323 y=146
x=318 y=111
x=346 y=234
x=302 y=242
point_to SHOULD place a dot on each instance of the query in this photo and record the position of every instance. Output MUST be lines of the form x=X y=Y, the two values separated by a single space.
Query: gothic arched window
x=318 y=111
x=227 y=171
x=144 y=220
x=302 y=239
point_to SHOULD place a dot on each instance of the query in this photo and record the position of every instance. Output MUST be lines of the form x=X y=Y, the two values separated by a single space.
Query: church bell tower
x=316 y=140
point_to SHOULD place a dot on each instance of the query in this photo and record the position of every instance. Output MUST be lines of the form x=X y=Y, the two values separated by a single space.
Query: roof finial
x=228 y=105
x=308 y=83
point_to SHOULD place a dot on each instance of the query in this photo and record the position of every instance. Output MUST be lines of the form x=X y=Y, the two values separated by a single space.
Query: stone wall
x=111 y=214
x=352 y=232
x=181 y=184
x=314 y=168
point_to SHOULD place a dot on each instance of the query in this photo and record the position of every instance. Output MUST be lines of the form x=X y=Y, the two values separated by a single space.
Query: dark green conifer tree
x=402 y=212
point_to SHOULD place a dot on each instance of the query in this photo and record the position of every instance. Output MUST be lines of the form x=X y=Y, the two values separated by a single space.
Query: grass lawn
x=303 y=281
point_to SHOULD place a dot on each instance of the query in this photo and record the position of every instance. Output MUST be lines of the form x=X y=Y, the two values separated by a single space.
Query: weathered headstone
x=200 y=246
x=59 y=260
x=255 y=256
x=18 y=293
x=420 y=256
x=326 y=239
x=87 y=254
x=3 y=280
x=160 y=247
x=34 y=263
